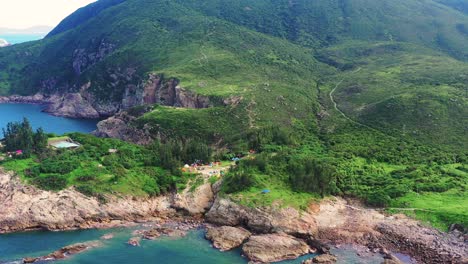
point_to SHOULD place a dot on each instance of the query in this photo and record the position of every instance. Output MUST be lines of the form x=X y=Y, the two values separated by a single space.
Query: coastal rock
x=107 y=236
x=170 y=231
x=64 y=252
x=227 y=237
x=348 y=222
x=262 y=220
x=72 y=105
x=274 y=247
x=194 y=202
x=25 y=207
x=134 y=241
x=151 y=234
x=324 y=259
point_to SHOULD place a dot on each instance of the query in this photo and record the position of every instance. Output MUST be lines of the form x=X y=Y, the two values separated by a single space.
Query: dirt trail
x=335 y=105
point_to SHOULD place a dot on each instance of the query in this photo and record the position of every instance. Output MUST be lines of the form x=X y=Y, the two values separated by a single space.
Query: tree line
x=19 y=136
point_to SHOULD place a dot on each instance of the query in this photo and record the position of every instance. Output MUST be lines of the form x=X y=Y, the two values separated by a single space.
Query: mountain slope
x=275 y=55
x=361 y=98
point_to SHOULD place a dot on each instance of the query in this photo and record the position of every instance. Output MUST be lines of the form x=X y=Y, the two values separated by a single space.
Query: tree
x=20 y=136
x=312 y=176
x=40 y=141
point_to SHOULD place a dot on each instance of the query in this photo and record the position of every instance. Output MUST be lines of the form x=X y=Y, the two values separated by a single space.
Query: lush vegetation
x=19 y=137
x=359 y=98
x=101 y=166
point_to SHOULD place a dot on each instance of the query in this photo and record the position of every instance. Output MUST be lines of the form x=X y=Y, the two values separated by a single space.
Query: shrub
x=239 y=180
x=378 y=198
x=53 y=182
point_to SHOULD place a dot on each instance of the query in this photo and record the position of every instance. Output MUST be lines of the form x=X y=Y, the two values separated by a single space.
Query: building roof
x=65 y=144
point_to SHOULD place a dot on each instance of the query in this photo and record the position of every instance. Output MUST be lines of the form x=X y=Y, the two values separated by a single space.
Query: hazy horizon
x=25 y=14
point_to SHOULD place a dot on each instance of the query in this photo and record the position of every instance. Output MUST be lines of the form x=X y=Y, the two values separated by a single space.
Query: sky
x=20 y=14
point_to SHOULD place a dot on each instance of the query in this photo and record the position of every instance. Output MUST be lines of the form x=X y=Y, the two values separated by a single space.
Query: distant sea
x=20 y=38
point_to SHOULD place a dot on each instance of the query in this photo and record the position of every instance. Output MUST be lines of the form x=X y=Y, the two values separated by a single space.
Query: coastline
x=334 y=221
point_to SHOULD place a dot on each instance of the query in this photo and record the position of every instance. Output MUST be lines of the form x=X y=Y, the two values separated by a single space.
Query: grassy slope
x=410 y=97
x=403 y=90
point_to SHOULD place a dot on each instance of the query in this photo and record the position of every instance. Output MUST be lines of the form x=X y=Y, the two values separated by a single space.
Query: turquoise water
x=192 y=249
x=20 y=38
x=51 y=124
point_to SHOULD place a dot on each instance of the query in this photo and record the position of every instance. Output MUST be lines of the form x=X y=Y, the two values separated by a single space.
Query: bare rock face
x=72 y=105
x=195 y=202
x=346 y=222
x=168 y=92
x=274 y=247
x=25 y=207
x=84 y=59
x=227 y=237
x=120 y=127
x=262 y=220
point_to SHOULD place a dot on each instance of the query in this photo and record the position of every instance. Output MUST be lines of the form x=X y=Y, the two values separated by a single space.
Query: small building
x=63 y=143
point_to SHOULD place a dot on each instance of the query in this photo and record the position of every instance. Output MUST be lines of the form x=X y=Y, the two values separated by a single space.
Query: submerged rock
x=64 y=252
x=324 y=259
x=274 y=247
x=107 y=236
x=134 y=241
x=157 y=232
x=227 y=237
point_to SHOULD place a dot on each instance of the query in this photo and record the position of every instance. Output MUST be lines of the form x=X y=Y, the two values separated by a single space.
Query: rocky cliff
x=277 y=233
x=83 y=104
x=25 y=207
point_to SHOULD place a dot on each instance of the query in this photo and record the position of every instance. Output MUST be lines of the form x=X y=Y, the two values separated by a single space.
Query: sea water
x=193 y=248
x=37 y=118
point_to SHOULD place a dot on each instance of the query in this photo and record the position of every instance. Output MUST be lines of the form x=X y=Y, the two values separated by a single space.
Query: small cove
x=50 y=124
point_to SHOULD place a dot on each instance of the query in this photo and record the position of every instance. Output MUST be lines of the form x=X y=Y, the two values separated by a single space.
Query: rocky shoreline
x=333 y=221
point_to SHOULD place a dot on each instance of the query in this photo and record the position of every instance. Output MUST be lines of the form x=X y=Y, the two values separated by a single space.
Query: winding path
x=335 y=105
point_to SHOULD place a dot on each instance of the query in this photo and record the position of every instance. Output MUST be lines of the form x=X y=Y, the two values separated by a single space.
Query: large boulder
x=274 y=247
x=227 y=237
x=262 y=220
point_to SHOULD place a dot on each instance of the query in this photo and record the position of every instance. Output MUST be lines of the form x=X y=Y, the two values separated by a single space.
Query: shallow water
x=51 y=124
x=192 y=249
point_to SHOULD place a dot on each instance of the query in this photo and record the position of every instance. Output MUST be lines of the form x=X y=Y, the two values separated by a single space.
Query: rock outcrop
x=168 y=92
x=64 y=252
x=25 y=208
x=347 y=222
x=274 y=247
x=134 y=241
x=262 y=220
x=194 y=202
x=324 y=259
x=121 y=127
x=227 y=237
x=72 y=105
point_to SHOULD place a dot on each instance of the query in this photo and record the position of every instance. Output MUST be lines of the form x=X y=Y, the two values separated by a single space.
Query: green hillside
x=361 y=98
